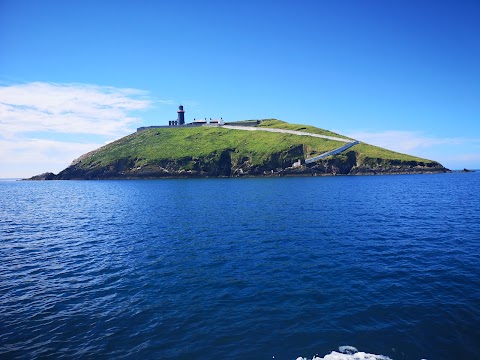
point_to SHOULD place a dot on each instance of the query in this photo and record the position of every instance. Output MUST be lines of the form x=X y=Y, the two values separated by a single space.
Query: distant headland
x=216 y=148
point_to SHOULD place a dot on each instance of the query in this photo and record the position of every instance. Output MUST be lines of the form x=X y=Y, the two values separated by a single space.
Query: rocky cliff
x=218 y=152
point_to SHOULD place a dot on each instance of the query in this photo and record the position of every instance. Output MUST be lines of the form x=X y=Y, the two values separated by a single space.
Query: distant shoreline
x=252 y=176
x=173 y=177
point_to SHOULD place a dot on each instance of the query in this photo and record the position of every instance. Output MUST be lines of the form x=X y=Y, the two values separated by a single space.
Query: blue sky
x=77 y=74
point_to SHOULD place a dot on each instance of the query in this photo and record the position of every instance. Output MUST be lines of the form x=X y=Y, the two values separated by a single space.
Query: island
x=268 y=147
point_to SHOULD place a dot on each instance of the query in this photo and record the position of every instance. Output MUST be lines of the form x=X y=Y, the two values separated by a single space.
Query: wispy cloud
x=465 y=158
x=452 y=152
x=56 y=152
x=58 y=111
x=69 y=108
x=407 y=141
x=28 y=157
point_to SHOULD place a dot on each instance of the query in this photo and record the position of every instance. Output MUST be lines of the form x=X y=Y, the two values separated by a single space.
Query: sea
x=338 y=267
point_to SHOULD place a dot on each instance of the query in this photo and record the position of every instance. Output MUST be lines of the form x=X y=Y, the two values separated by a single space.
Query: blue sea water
x=241 y=268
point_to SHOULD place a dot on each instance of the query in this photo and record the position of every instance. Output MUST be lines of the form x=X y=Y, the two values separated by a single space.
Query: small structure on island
x=180 y=116
x=297 y=163
x=216 y=121
x=180 y=122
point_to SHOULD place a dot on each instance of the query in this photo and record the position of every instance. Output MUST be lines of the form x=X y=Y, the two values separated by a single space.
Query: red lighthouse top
x=180 y=109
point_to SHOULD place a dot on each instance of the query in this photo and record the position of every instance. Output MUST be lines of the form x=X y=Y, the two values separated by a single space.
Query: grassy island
x=218 y=151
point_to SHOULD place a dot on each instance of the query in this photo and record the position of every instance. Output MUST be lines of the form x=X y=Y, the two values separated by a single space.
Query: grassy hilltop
x=218 y=151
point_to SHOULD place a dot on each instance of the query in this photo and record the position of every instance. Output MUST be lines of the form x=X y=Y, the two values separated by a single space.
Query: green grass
x=375 y=152
x=173 y=144
x=278 y=124
x=152 y=146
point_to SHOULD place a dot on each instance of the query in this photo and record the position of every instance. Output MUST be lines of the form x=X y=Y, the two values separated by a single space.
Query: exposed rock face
x=351 y=164
x=224 y=164
x=231 y=151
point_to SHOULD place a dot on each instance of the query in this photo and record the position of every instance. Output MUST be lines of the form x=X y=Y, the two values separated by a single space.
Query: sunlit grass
x=157 y=145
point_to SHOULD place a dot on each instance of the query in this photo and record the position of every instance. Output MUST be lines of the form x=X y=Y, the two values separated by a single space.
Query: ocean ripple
x=241 y=268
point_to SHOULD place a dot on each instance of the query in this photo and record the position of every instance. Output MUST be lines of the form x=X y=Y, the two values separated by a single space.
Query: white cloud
x=27 y=157
x=406 y=141
x=60 y=112
x=452 y=152
x=465 y=158
x=69 y=108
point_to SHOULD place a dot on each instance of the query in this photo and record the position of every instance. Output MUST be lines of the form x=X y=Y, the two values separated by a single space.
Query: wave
x=348 y=353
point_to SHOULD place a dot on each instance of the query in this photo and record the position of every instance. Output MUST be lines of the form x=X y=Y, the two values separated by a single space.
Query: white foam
x=348 y=353
x=346 y=349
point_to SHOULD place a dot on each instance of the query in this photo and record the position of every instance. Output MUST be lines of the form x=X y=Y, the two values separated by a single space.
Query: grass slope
x=376 y=152
x=155 y=145
x=278 y=124
x=362 y=149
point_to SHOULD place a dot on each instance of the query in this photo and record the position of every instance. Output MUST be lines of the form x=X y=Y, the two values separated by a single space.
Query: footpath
x=284 y=131
x=342 y=148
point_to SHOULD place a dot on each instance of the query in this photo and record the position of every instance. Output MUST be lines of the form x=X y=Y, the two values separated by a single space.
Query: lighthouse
x=181 y=115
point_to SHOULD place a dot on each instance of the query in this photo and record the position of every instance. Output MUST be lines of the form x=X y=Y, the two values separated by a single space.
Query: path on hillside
x=342 y=148
x=285 y=131
x=332 y=152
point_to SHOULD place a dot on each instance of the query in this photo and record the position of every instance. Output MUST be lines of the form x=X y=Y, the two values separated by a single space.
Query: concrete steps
x=332 y=152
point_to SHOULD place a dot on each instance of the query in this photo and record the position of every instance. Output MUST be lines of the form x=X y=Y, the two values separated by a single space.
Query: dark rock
x=225 y=164
x=44 y=176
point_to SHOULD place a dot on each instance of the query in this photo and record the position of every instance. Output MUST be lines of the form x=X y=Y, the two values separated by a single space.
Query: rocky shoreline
x=224 y=168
